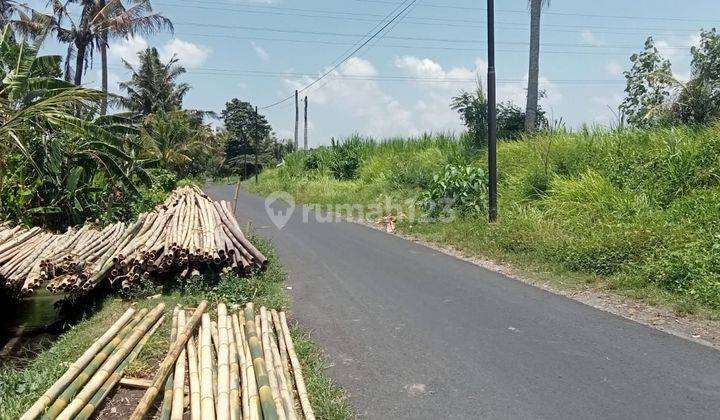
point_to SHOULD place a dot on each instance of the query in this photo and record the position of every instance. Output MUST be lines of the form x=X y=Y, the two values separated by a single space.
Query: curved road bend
x=416 y=334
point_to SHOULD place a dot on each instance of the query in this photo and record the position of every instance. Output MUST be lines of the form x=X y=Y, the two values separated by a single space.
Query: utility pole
x=492 y=114
x=306 y=139
x=297 y=120
x=257 y=144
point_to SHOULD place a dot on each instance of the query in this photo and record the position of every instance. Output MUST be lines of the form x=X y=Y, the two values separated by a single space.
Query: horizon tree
x=533 y=89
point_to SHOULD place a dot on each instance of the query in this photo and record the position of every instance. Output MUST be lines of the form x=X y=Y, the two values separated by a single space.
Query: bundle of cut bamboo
x=242 y=367
x=187 y=234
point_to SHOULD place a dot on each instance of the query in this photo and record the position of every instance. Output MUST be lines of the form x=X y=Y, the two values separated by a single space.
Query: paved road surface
x=416 y=334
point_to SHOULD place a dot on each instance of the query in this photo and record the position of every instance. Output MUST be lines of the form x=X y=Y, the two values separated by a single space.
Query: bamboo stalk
x=267 y=353
x=206 y=388
x=267 y=402
x=282 y=347
x=284 y=384
x=56 y=388
x=168 y=362
x=116 y=377
x=179 y=377
x=166 y=408
x=223 y=375
x=194 y=376
x=297 y=371
x=109 y=366
x=240 y=348
x=235 y=413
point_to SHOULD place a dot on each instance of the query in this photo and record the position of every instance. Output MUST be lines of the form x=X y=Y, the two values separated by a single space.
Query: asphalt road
x=416 y=334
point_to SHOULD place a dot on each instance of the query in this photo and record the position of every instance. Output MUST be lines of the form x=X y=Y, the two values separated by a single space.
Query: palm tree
x=99 y=20
x=153 y=86
x=174 y=138
x=534 y=72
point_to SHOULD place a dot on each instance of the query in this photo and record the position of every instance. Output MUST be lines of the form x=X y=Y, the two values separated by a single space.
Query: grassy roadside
x=631 y=212
x=20 y=387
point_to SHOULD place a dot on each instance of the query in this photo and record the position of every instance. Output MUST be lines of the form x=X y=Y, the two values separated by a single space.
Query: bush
x=460 y=188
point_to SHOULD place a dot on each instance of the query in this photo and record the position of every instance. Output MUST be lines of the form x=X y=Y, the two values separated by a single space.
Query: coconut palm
x=533 y=92
x=174 y=138
x=153 y=86
x=100 y=20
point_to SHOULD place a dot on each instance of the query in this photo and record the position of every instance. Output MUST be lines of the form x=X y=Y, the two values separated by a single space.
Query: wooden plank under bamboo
x=167 y=363
x=55 y=389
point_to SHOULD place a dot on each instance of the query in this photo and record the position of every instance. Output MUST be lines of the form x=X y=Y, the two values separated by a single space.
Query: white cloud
x=613 y=68
x=188 y=54
x=588 y=37
x=261 y=53
x=128 y=48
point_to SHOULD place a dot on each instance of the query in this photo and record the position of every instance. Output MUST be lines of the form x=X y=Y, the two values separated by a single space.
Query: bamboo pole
x=206 y=388
x=179 y=377
x=166 y=408
x=235 y=413
x=168 y=363
x=254 y=397
x=240 y=348
x=109 y=366
x=223 y=375
x=194 y=376
x=116 y=377
x=56 y=388
x=95 y=364
x=284 y=383
x=270 y=366
x=269 y=411
x=282 y=347
x=297 y=371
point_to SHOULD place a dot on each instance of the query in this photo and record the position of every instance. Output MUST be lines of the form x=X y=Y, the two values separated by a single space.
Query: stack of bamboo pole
x=78 y=392
x=241 y=367
x=188 y=234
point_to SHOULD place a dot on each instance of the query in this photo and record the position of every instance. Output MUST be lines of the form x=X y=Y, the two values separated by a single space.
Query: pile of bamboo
x=241 y=367
x=186 y=235
x=79 y=391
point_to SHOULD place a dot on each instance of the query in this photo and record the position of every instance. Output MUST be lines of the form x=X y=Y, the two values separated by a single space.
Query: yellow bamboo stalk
x=46 y=398
x=111 y=363
x=223 y=394
x=207 y=402
x=179 y=377
x=240 y=348
x=269 y=411
x=254 y=394
x=235 y=413
x=282 y=348
x=194 y=375
x=284 y=385
x=166 y=408
x=269 y=365
x=297 y=371
x=167 y=364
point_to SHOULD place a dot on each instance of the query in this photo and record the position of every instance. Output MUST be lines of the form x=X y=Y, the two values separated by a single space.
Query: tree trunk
x=80 y=62
x=534 y=71
x=104 y=65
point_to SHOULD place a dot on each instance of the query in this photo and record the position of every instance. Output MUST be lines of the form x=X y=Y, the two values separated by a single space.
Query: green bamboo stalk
x=113 y=380
x=269 y=365
x=266 y=397
x=111 y=364
x=56 y=389
x=83 y=377
x=166 y=409
x=168 y=363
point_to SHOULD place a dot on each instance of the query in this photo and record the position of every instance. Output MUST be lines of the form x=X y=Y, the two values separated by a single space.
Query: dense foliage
x=640 y=208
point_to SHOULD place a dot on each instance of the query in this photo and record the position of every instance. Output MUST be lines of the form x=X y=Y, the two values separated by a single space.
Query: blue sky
x=261 y=50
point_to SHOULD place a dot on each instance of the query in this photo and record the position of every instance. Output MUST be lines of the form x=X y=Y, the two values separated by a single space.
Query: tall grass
x=640 y=208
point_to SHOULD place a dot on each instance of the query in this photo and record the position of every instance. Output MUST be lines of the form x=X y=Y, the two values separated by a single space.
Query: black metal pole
x=492 y=114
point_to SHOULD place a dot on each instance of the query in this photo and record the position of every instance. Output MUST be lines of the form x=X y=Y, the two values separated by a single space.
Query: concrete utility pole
x=306 y=138
x=297 y=120
x=492 y=114
x=257 y=143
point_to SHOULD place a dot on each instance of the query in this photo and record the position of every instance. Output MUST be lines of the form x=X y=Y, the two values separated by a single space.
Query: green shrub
x=460 y=188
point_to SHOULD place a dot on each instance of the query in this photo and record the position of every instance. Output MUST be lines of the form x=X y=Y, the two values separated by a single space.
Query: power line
x=409 y=38
x=349 y=55
x=471 y=23
x=589 y=15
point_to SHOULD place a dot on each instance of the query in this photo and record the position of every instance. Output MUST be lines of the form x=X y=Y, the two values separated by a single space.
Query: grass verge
x=21 y=386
